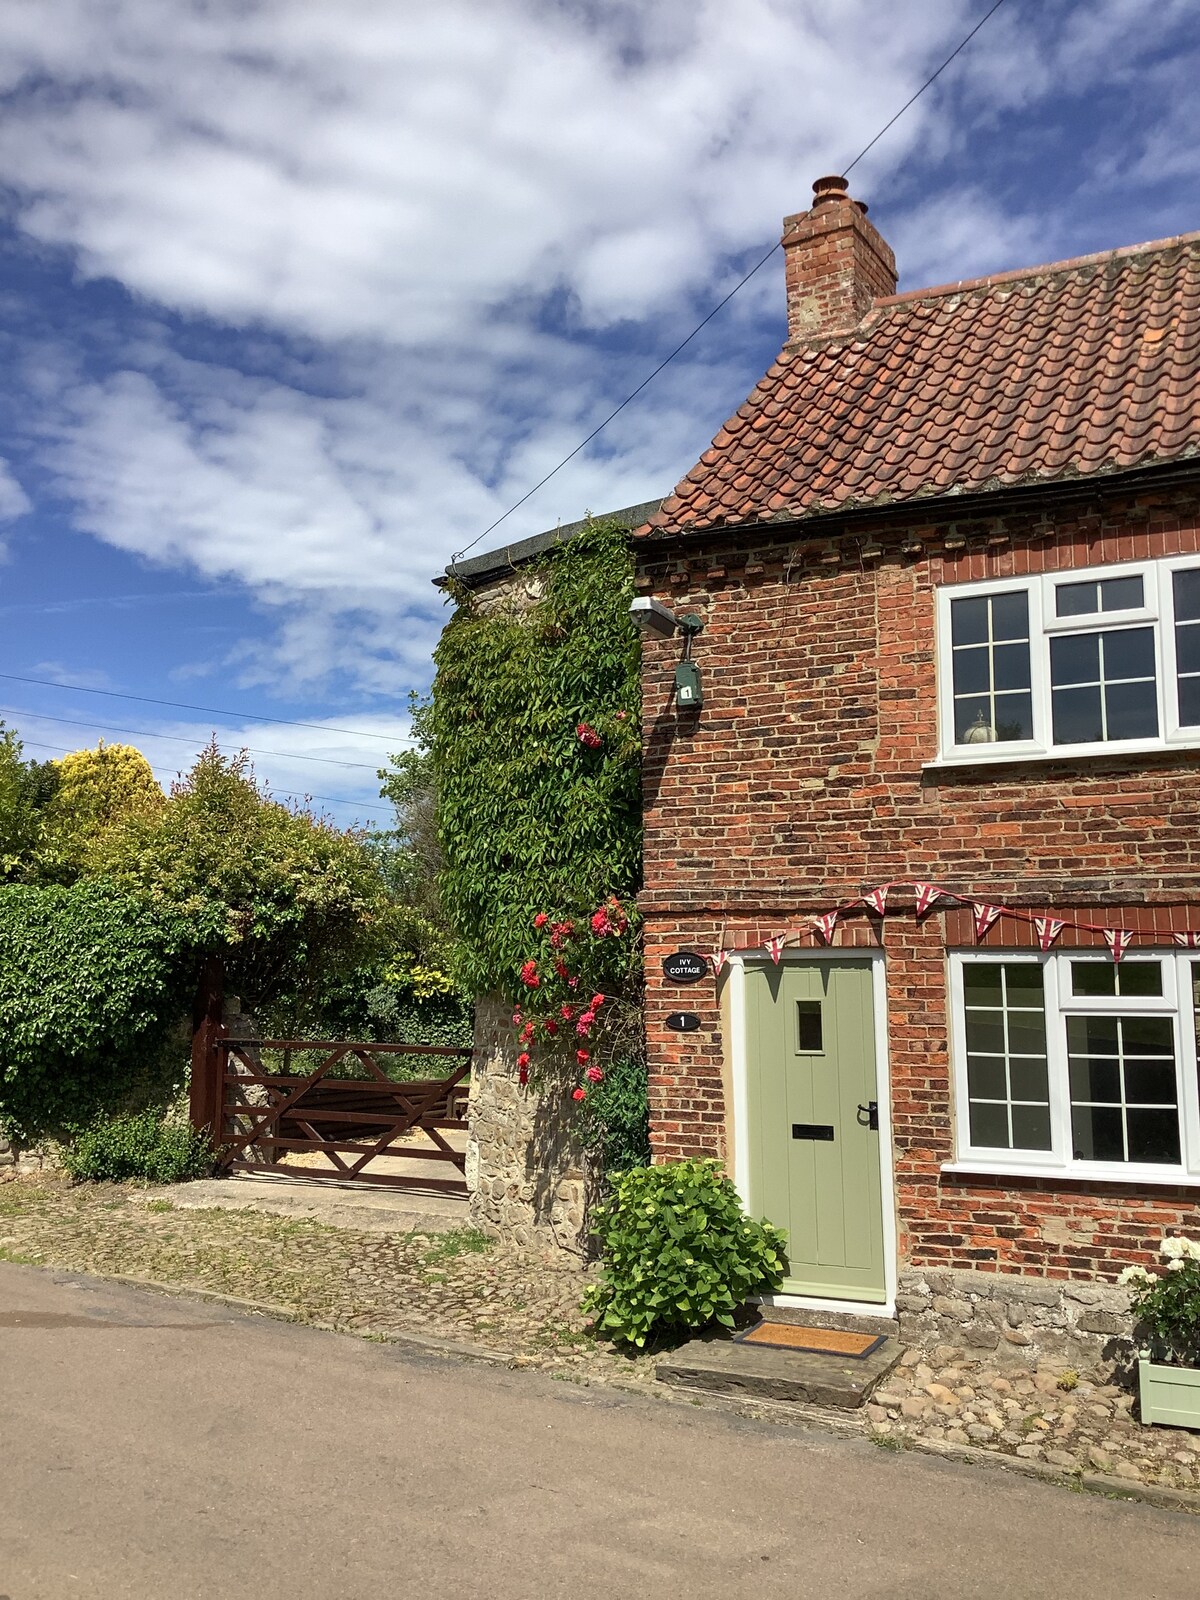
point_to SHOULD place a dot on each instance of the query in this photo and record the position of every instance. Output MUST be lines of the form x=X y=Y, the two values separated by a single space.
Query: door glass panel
x=809 y=1033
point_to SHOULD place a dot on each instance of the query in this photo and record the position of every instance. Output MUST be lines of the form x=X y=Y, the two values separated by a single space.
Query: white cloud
x=447 y=239
x=14 y=502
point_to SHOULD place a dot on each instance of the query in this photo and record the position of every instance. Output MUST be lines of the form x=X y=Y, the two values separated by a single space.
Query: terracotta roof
x=1071 y=370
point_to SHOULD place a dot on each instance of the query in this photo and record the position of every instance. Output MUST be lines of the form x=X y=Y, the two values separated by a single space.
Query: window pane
x=1097 y=1133
x=973 y=669
x=1093 y=977
x=1187 y=647
x=1077 y=716
x=986 y=1079
x=1154 y=1137
x=969 y=621
x=1031 y=1127
x=1148 y=1036
x=1014 y=717
x=1024 y=979
x=1189 y=702
x=1095 y=1078
x=1075 y=658
x=1010 y=615
x=1149 y=1082
x=1027 y=1077
x=989 y=1126
x=1128 y=653
x=985 y=1032
x=1076 y=599
x=982 y=982
x=1139 y=977
x=1187 y=595
x=1121 y=594
x=1132 y=710
x=1027 y=1033
x=1012 y=665
x=1093 y=1036
x=973 y=712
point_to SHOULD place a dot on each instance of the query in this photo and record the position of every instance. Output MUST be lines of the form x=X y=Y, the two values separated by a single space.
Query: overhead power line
x=211 y=711
x=292 y=794
x=720 y=305
x=180 y=738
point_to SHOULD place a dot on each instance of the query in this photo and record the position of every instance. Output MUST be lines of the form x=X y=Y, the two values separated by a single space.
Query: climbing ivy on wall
x=534 y=730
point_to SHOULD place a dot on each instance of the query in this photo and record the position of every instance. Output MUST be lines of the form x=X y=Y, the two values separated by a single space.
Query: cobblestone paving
x=458 y=1287
x=1074 y=1421
x=452 y=1286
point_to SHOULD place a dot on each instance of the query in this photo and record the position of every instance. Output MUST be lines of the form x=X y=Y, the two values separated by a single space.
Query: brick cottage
x=947 y=560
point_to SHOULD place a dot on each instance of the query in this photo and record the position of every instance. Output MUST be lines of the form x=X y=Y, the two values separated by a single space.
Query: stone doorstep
x=716 y=1363
x=829 y=1317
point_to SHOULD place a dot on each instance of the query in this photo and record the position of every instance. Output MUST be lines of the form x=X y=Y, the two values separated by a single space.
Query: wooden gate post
x=205 y=1098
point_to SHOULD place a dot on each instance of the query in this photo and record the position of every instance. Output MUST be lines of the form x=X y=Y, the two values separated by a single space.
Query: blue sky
x=296 y=298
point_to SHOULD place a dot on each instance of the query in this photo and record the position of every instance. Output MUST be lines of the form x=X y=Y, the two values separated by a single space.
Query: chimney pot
x=837 y=263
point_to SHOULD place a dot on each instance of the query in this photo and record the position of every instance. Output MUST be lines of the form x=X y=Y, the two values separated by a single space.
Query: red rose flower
x=568 y=1013
x=596 y=1002
x=582 y=1057
x=529 y=975
x=600 y=923
x=523 y=1059
x=551 y=1026
x=594 y=1075
x=587 y=736
x=540 y=920
x=561 y=968
x=580 y=1094
x=527 y=1033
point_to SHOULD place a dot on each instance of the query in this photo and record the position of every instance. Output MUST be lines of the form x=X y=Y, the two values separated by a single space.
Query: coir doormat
x=813 y=1341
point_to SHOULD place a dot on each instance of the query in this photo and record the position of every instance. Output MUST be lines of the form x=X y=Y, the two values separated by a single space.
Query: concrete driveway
x=164 y=1449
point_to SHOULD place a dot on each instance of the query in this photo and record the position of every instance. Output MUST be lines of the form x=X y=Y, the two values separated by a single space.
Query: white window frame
x=1175 y=1002
x=1044 y=625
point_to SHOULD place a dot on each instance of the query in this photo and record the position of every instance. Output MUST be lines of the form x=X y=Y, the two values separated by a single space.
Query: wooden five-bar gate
x=365 y=1128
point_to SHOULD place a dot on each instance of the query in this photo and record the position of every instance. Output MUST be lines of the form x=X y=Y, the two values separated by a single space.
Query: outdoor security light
x=651 y=616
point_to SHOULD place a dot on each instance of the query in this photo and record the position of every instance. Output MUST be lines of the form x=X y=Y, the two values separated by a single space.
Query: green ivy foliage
x=91 y=982
x=529 y=818
x=140 y=1144
x=679 y=1253
x=614 y=1120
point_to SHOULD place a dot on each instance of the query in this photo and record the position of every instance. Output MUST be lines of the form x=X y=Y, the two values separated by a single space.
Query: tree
x=26 y=789
x=98 y=790
x=284 y=897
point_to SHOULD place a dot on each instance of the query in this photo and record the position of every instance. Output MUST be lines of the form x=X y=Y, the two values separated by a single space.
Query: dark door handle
x=868 y=1115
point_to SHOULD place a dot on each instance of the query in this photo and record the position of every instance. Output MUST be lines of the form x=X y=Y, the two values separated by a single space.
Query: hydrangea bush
x=1166 y=1303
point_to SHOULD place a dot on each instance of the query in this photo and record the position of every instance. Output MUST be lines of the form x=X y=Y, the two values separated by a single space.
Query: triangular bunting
x=926 y=894
x=1048 y=929
x=775 y=946
x=1117 y=940
x=825 y=926
x=877 y=900
x=1189 y=941
x=985 y=916
x=719 y=958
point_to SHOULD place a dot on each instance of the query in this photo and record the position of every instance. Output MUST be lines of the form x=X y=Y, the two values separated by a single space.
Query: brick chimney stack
x=837 y=263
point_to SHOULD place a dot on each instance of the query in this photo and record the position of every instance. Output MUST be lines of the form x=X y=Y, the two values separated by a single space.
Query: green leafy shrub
x=140 y=1144
x=679 y=1252
x=614 y=1122
x=1166 y=1304
x=92 y=982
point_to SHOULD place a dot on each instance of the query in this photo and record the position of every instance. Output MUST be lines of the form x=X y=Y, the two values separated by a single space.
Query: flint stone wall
x=15 y=1158
x=528 y=1178
x=1024 y=1319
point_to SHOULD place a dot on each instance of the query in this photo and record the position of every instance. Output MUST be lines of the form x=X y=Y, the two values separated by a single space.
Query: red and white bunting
x=877 y=900
x=1117 y=940
x=1189 y=941
x=719 y=958
x=985 y=917
x=926 y=894
x=775 y=947
x=1048 y=929
x=825 y=926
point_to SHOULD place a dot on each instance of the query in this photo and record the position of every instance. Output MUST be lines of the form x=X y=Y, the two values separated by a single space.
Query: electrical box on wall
x=689 y=696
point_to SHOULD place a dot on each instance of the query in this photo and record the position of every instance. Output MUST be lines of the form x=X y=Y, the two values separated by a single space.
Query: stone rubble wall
x=1022 y=1319
x=528 y=1178
x=37 y=1158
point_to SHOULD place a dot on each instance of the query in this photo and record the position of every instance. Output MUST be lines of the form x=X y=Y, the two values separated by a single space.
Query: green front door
x=814 y=1157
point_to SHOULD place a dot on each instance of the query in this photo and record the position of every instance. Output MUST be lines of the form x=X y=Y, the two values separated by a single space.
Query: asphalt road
x=166 y=1449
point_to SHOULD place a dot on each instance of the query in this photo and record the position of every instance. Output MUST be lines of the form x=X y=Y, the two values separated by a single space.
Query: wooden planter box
x=1170 y=1395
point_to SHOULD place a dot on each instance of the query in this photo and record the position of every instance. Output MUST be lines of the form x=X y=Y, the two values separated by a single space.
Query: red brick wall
x=800 y=785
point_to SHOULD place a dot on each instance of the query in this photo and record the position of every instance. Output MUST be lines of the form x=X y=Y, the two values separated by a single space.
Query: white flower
x=1176 y=1266
x=1135 y=1275
x=1174 y=1249
x=1193 y=1249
